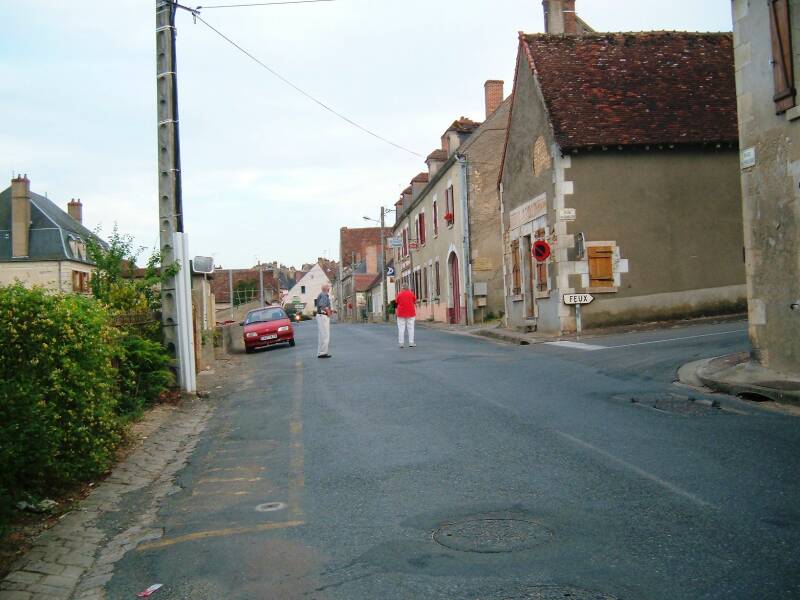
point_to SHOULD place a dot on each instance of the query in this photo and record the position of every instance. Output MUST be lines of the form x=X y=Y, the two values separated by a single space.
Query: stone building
x=622 y=155
x=40 y=244
x=449 y=221
x=359 y=263
x=767 y=50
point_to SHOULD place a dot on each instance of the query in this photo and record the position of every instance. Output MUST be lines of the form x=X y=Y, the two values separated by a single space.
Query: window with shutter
x=782 y=66
x=450 y=206
x=422 y=229
x=436 y=280
x=601 y=266
x=435 y=218
x=515 y=271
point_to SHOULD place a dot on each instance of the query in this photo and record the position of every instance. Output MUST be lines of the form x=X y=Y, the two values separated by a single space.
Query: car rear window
x=266 y=314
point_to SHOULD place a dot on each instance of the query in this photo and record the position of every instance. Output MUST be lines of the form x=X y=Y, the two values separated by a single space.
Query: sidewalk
x=735 y=374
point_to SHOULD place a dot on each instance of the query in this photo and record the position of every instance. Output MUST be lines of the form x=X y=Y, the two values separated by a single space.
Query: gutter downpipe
x=462 y=159
x=503 y=254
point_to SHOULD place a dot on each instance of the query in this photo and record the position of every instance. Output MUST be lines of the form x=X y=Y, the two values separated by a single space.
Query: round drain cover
x=492 y=535
x=549 y=592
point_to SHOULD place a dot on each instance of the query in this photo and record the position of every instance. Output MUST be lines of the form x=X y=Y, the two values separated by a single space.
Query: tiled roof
x=437 y=155
x=356 y=241
x=364 y=281
x=464 y=125
x=636 y=88
x=420 y=178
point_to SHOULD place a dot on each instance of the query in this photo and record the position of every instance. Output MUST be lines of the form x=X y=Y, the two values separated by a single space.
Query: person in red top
x=406 y=315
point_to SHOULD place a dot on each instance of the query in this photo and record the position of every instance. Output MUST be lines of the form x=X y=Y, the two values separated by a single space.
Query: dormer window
x=77 y=247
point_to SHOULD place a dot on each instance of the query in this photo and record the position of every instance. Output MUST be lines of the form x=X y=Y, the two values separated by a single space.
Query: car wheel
x=291 y=343
x=248 y=350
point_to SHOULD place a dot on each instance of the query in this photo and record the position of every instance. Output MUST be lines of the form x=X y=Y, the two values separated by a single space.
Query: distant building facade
x=304 y=293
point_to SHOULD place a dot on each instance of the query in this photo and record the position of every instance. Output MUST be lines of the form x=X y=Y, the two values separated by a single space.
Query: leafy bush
x=58 y=390
x=143 y=370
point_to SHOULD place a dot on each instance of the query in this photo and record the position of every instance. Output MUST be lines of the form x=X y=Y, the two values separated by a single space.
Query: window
x=80 y=282
x=405 y=241
x=449 y=206
x=515 y=272
x=421 y=226
x=436 y=285
x=601 y=266
x=782 y=67
x=435 y=219
x=425 y=282
x=302 y=289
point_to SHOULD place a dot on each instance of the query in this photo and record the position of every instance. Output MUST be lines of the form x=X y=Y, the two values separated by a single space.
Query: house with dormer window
x=42 y=245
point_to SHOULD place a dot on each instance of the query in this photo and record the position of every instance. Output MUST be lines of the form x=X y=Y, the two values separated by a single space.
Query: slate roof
x=636 y=88
x=50 y=232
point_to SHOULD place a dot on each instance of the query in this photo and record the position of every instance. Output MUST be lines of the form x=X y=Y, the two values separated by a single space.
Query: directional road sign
x=395 y=242
x=577 y=299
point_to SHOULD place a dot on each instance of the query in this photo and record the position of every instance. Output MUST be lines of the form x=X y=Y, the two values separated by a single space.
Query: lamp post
x=384 y=212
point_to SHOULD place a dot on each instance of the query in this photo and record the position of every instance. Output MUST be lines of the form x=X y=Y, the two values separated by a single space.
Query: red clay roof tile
x=636 y=88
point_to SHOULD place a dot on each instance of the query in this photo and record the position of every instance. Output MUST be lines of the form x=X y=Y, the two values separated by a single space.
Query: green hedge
x=69 y=380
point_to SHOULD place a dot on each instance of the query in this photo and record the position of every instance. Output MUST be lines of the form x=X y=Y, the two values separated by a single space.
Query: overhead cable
x=261 y=4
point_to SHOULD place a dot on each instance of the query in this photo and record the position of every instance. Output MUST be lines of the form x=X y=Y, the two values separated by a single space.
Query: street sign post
x=577 y=300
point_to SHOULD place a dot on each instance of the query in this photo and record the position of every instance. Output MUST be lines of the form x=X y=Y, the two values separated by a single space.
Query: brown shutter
x=601 y=268
x=782 y=67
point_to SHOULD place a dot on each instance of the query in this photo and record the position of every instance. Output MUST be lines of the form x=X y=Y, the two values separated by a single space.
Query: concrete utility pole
x=177 y=334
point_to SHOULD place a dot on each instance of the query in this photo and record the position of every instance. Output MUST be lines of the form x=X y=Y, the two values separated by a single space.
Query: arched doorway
x=454 y=307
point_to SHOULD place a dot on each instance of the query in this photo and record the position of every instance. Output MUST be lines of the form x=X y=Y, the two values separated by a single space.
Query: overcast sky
x=267 y=174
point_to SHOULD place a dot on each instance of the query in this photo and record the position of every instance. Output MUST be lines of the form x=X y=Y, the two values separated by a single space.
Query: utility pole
x=383 y=267
x=178 y=337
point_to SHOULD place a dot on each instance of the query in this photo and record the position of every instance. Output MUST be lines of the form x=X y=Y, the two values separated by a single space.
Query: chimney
x=493 y=91
x=560 y=17
x=75 y=210
x=20 y=216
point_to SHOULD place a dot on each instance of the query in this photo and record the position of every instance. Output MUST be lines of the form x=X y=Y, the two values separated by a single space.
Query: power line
x=262 y=4
x=300 y=90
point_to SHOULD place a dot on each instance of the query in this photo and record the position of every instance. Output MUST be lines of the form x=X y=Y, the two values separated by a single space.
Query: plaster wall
x=770 y=189
x=42 y=273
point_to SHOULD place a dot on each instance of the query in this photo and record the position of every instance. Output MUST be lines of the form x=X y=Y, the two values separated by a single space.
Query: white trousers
x=402 y=325
x=323 y=334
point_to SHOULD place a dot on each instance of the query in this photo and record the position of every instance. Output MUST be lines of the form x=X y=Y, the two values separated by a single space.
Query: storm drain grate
x=549 y=592
x=673 y=403
x=490 y=536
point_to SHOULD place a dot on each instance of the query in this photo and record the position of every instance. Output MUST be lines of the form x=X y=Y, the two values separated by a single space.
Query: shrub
x=58 y=390
x=143 y=370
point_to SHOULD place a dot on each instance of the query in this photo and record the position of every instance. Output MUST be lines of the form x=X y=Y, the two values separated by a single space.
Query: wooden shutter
x=517 y=280
x=601 y=266
x=782 y=67
x=438 y=288
x=422 y=228
x=435 y=218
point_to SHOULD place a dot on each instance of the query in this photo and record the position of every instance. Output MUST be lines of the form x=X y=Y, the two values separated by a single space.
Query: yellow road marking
x=229 y=479
x=214 y=533
x=297 y=480
x=220 y=493
x=218 y=469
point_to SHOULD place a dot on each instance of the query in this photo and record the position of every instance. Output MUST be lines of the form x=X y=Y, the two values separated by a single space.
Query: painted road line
x=649 y=476
x=576 y=345
x=196 y=494
x=676 y=339
x=215 y=533
x=230 y=480
x=246 y=469
x=297 y=478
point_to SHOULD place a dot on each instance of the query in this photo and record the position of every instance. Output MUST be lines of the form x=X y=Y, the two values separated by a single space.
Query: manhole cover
x=270 y=506
x=673 y=403
x=492 y=535
x=549 y=592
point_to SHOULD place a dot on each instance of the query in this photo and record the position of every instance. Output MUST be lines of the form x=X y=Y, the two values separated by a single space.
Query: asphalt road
x=469 y=469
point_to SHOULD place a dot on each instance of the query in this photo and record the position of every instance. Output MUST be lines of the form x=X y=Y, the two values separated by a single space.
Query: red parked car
x=267 y=326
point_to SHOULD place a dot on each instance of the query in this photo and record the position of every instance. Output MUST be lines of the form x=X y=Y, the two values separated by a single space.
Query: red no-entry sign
x=540 y=250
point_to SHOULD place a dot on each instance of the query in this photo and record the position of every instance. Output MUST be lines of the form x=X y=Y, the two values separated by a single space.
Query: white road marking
x=688 y=337
x=665 y=484
x=576 y=345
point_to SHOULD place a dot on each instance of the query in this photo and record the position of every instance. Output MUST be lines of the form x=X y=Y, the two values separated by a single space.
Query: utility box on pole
x=170 y=211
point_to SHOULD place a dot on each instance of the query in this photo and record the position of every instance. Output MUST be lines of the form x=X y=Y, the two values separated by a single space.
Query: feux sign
x=540 y=250
x=578 y=298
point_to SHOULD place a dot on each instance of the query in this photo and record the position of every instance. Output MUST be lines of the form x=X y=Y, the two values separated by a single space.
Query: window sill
x=793 y=113
x=539 y=295
x=517 y=298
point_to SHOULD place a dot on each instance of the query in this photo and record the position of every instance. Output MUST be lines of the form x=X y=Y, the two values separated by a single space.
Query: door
x=455 y=290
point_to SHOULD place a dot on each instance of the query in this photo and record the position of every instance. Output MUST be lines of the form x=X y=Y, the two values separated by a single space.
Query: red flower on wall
x=448 y=217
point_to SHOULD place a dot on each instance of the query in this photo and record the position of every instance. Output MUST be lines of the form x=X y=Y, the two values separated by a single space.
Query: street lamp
x=384 y=212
